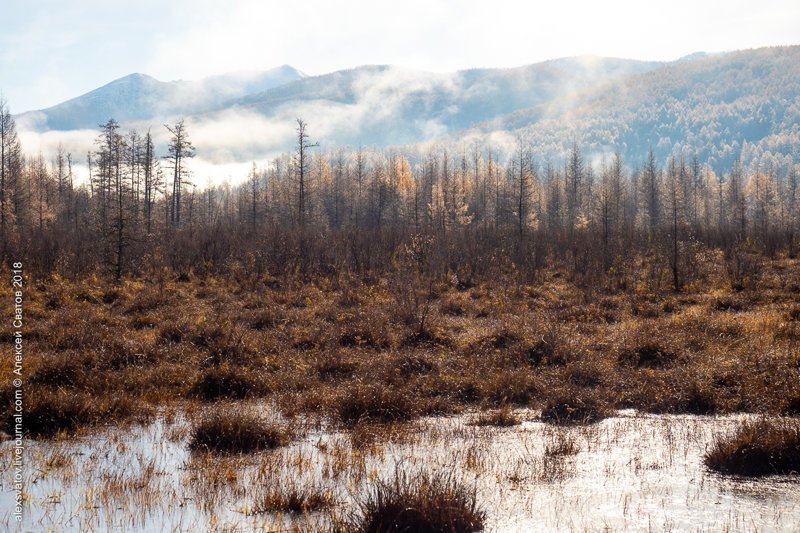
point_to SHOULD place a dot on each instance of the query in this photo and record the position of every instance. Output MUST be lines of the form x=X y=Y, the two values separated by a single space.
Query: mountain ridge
x=718 y=105
x=139 y=96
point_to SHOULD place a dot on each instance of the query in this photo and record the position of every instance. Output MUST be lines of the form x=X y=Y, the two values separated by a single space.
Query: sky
x=52 y=50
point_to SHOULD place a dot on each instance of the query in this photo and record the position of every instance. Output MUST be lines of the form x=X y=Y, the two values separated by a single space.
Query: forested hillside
x=722 y=106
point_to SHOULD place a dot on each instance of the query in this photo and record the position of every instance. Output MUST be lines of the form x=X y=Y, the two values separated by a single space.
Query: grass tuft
x=293 y=500
x=758 y=449
x=565 y=411
x=234 y=383
x=421 y=503
x=503 y=417
x=648 y=355
x=48 y=412
x=372 y=403
x=236 y=432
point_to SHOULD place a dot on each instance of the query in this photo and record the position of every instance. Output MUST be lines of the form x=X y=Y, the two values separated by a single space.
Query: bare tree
x=651 y=177
x=10 y=168
x=151 y=181
x=180 y=149
x=253 y=183
x=674 y=191
x=302 y=169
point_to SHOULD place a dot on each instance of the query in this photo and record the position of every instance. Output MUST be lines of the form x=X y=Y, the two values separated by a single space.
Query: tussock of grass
x=544 y=353
x=234 y=383
x=223 y=344
x=373 y=403
x=452 y=308
x=413 y=364
x=63 y=369
x=686 y=395
x=515 y=387
x=467 y=391
x=265 y=319
x=503 y=417
x=569 y=410
x=758 y=449
x=369 y=333
x=585 y=374
x=728 y=303
x=428 y=337
x=144 y=321
x=146 y=300
x=648 y=355
x=421 y=503
x=172 y=333
x=792 y=406
x=333 y=366
x=502 y=339
x=76 y=333
x=291 y=499
x=117 y=354
x=236 y=432
x=48 y=412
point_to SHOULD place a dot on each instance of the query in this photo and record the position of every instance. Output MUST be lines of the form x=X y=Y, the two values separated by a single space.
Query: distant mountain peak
x=289 y=68
x=139 y=96
x=691 y=57
x=133 y=77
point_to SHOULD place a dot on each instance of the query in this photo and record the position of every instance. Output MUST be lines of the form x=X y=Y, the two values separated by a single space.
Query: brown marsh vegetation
x=425 y=503
x=261 y=369
x=758 y=449
x=102 y=353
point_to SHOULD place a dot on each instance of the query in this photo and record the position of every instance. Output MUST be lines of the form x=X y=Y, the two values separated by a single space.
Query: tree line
x=359 y=211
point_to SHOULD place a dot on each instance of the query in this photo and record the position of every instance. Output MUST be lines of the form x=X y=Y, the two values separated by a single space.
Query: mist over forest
x=721 y=107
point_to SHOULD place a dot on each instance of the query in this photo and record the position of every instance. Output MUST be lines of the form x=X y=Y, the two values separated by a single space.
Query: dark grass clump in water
x=372 y=403
x=758 y=449
x=236 y=432
x=567 y=411
x=293 y=500
x=421 y=503
x=51 y=412
x=48 y=412
x=503 y=417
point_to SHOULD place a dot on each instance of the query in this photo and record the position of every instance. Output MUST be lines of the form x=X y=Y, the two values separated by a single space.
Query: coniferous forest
x=314 y=212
